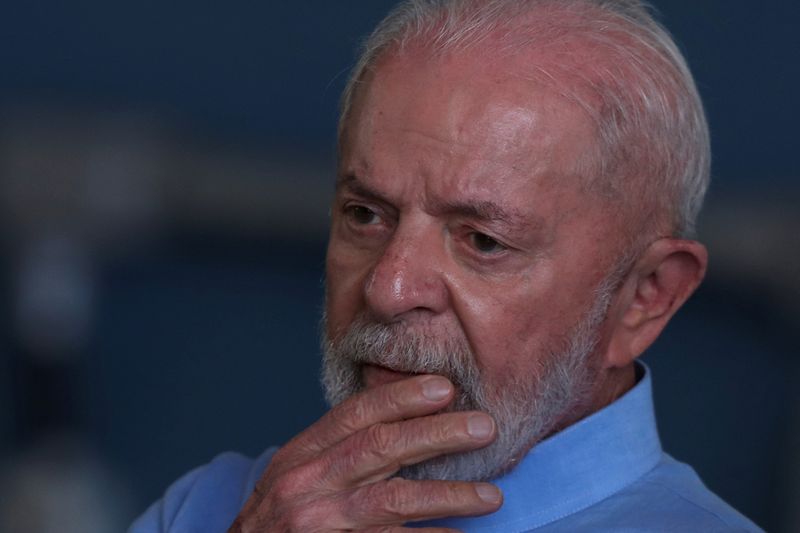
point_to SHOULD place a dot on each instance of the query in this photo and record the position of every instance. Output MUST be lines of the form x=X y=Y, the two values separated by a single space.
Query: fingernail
x=435 y=389
x=488 y=493
x=479 y=426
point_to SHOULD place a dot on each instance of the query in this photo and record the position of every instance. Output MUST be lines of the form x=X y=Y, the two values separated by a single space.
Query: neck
x=610 y=385
x=616 y=382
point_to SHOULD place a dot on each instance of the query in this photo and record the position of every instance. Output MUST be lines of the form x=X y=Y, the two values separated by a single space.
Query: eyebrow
x=356 y=186
x=479 y=210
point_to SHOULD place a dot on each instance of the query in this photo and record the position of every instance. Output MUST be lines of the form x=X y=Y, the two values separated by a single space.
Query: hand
x=335 y=475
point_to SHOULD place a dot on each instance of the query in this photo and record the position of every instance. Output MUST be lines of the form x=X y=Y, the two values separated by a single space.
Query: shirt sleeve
x=206 y=499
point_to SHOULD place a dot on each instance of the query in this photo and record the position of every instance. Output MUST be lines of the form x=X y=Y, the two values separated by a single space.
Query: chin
x=484 y=464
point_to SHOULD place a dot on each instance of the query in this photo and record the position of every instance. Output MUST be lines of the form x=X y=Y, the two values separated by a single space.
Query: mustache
x=403 y=349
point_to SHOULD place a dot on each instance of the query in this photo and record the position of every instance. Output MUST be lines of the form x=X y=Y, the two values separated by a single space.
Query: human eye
x=485 y=244
x=362 y=215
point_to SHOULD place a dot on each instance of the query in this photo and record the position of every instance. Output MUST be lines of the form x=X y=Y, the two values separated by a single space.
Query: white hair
x=653 y=151
x=526 y=406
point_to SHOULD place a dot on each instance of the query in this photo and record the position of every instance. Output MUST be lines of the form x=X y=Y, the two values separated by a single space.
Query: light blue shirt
x=604 y=473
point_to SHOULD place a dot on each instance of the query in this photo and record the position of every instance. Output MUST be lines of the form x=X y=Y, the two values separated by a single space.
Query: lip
x=375 y=375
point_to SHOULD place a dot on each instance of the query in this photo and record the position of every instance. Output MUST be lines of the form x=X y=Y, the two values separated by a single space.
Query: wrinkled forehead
x=494 y=109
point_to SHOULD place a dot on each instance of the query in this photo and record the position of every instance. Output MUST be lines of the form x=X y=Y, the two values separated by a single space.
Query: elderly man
x=517 y=187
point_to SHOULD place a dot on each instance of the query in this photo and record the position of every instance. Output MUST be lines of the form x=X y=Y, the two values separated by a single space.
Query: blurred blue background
x=164 y=174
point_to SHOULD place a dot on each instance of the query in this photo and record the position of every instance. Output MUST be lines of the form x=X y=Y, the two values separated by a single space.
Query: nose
x=409 y=276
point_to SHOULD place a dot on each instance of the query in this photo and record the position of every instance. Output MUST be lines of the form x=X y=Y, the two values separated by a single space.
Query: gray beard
x=526 y=408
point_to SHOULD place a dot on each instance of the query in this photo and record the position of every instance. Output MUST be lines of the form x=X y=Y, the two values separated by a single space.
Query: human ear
x=663 y=278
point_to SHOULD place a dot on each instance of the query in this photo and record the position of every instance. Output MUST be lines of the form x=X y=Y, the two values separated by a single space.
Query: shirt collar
x=577 y=467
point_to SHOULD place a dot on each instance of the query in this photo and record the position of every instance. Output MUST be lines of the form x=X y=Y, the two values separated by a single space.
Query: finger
x=382 y=449
x=397 y=501
x=413 y=397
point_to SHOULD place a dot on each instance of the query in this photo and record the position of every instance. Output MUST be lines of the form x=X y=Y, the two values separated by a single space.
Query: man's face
x=459 y=227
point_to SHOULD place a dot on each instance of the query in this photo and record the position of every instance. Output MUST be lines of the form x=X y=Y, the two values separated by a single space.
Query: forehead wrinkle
x=457 y=145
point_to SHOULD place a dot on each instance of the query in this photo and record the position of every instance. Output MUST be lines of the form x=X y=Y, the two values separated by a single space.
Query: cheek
x=345 y=276
x=514 y=326
x=507 y=324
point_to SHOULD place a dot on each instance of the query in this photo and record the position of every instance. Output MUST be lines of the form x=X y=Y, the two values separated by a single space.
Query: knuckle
x=392 y=397
x=396 y=499
x=351 y=414
x=379 y=440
